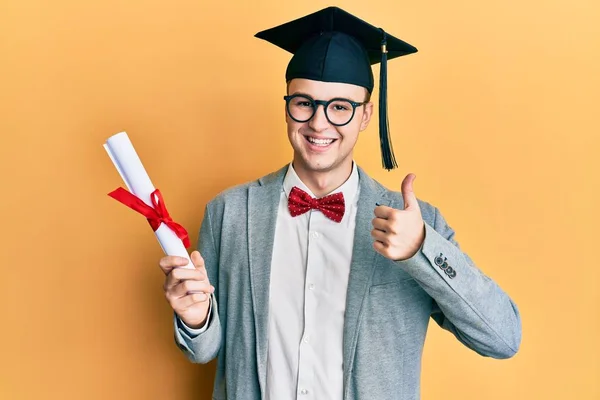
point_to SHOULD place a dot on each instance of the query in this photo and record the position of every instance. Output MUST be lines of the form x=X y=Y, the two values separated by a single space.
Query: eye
x=340 y=106
x=302 y=102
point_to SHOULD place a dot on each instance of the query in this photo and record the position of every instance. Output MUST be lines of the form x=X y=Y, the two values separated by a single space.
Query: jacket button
x=439 y=260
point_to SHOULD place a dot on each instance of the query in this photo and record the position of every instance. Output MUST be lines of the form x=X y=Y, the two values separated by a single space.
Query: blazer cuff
x=438 y=253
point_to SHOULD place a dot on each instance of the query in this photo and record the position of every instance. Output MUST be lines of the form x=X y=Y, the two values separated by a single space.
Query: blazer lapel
x=263 y=202
x=363 y=264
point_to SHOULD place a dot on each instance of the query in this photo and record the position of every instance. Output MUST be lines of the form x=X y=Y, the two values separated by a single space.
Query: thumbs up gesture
x=399 y=234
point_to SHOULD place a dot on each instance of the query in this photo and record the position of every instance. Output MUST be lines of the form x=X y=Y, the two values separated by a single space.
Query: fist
x=399 y=234
x=187 y=290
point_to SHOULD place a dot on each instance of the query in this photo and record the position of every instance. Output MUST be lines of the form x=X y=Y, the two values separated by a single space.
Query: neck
x=322 y=183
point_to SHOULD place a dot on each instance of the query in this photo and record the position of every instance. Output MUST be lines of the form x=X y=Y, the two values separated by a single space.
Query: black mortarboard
x=332 y=45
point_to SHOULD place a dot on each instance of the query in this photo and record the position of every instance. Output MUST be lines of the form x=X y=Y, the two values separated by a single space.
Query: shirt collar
x=348 y=188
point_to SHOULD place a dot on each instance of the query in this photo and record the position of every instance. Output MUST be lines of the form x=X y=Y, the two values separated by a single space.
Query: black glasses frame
x=325 y=105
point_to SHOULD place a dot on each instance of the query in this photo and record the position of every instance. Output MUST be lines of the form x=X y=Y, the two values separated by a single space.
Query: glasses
x=338 y=111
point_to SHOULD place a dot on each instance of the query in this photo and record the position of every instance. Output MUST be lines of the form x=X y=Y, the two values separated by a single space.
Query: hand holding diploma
x=187 y=289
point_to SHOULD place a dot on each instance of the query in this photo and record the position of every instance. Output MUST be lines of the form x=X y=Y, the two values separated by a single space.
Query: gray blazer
x=388 y=303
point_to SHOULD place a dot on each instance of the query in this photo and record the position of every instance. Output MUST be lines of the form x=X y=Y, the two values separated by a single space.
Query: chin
x=314 y=165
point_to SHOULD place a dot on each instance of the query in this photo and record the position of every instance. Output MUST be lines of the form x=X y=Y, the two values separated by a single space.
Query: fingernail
x=377 y=204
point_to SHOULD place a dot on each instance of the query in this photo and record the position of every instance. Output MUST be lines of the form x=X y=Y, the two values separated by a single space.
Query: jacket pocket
x=402 y=284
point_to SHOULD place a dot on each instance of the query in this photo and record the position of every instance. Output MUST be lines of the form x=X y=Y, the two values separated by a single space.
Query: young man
x=316 y=282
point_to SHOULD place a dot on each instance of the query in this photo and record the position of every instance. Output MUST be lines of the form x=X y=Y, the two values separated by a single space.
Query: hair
x=367 y=93
x=368 y=96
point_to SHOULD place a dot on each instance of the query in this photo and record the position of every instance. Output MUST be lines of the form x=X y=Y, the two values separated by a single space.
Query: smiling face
x=319 y=146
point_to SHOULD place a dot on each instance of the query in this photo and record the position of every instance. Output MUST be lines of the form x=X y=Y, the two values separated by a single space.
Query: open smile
x=321 y=143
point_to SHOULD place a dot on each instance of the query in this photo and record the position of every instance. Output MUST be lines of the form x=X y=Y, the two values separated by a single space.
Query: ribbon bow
x=155 y=216
x=332 y=206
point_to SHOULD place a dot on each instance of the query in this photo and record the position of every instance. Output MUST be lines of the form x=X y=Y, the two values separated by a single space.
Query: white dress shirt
x=307 y=300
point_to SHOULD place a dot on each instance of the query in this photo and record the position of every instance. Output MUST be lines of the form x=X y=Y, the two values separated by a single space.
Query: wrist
x=418 y=246
x=194 y=324
x=197 y=323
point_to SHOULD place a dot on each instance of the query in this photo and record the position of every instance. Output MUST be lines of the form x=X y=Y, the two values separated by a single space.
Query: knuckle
x=206 y=287
x=199 y=297
x=162 y=263
x=167 y=261
x=169 y=281
x=175 y=273
x=186 y=286
x=179 y=273
x=170 y=299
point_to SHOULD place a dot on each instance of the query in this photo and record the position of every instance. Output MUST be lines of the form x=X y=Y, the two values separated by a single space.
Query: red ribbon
x=156 y=215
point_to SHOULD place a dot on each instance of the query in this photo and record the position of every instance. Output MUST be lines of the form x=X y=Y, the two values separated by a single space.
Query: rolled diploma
x=128 y=164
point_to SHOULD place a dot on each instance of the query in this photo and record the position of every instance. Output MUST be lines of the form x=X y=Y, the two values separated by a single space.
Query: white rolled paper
x=126 y=160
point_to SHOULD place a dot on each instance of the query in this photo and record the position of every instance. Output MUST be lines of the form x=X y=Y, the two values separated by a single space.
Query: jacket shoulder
x=238 y=194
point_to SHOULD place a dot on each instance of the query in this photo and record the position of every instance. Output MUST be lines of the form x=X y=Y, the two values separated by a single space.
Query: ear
x=366 y=116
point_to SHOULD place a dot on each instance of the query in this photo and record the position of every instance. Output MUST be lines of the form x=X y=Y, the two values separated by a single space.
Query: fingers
x=384 y=212
x=197 y=259
x=182 y=304
x=192 y=299
x=383 y=225
x=379 y=247
x=410 y=200
x=379 y=236
x=178 y=275
x=168 y=263
x=188 y=287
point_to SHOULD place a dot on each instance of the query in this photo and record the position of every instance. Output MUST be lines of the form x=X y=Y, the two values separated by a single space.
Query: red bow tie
x=332 y=206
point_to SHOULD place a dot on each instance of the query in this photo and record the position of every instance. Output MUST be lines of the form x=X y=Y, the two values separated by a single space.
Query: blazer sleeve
x=466 y=301
x=202 y=346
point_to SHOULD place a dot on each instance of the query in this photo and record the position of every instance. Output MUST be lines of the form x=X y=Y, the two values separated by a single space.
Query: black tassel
x=387 y=152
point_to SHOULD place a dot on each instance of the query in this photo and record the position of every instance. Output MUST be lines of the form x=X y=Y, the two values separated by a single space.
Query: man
x=316 y=282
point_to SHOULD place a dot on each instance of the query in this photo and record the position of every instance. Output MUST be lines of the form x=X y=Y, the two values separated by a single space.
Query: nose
x=318 y=122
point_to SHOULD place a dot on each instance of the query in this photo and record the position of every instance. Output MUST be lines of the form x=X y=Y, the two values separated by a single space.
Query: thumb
x=197 y=259
x=410 y=200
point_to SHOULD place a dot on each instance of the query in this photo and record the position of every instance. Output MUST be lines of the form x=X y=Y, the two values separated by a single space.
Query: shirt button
x=306 y=339
x=304 y=391
x=311 y=286
x=315 y=234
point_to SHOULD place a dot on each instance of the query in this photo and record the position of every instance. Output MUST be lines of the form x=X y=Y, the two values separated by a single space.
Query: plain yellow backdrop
x=497 y=114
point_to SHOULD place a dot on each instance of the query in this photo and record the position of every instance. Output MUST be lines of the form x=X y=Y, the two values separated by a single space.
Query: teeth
x=320 y=142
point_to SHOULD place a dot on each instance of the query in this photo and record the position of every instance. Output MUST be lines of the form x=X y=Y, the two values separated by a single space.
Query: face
x=318 y=145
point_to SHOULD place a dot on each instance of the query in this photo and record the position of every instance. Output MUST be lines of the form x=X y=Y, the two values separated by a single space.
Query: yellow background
x=497 y=115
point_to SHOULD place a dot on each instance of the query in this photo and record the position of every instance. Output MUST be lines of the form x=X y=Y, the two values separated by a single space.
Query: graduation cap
x=332 y=45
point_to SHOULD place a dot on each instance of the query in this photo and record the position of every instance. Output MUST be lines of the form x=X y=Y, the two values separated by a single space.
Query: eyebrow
x=312 y=97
